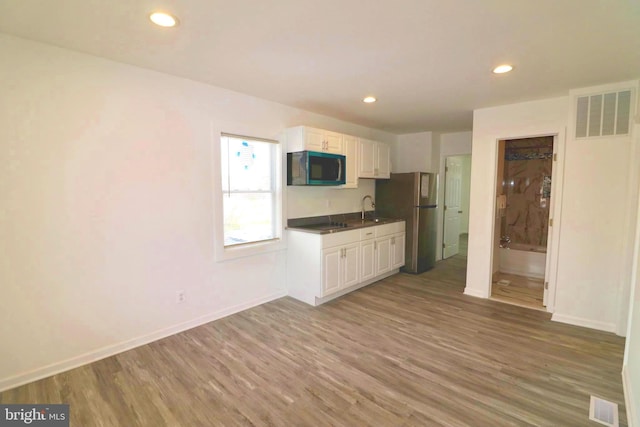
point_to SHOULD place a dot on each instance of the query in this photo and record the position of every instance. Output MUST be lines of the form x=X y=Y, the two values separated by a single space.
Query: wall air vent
x=604 y=114
x=603 y=412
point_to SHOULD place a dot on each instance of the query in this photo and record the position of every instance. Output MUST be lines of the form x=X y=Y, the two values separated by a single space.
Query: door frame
x=557 y=184
x=441 y=223
x=455 y=152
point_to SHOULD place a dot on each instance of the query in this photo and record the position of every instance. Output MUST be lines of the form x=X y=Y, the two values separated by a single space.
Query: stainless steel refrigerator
x=413 y=197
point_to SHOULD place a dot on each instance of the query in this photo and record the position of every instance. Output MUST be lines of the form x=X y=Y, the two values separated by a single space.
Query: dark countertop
x=327 y=224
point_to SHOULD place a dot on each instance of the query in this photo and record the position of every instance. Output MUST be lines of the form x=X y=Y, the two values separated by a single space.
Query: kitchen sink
x=368 y=221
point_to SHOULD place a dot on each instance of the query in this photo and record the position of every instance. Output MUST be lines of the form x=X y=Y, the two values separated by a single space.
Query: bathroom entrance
x=522 y=228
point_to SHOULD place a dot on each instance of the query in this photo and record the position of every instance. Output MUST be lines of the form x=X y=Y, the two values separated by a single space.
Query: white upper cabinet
x=367 y=159
x=350 y=145
x=383 y=161
x=364 y=158
x=301 y=138
x=375 y=159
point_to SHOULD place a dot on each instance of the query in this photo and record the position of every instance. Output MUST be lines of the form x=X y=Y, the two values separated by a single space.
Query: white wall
x=543 y=117
x=451 y=144
x=412 y=153
x=591 y=229
x=596 y=234
x=109 y=186
x=631 y=364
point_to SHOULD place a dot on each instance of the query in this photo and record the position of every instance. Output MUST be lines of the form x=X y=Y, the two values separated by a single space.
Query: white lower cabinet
x=322 y=266
x=340 y=268
x=367 y=260
x=383 y=255
x=397 y=250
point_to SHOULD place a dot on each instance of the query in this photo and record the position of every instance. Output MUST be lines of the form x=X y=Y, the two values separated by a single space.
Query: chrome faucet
x=364 y=199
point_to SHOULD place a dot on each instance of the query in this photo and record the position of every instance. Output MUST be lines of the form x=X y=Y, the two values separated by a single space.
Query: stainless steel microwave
x=314 y=168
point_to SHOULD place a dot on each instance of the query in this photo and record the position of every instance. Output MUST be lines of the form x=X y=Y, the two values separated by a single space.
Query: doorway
x=523 y=220
x=457 y=183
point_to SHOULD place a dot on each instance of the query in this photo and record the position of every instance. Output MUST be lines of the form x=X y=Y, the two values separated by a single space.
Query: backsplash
x=316 y=201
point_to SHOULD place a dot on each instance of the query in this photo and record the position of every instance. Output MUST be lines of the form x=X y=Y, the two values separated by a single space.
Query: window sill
x=229 y=253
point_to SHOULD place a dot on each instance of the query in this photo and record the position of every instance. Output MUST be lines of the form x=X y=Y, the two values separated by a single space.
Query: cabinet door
x=383 y=161
x=350 y=265
x=367 y=158
x=331 y=270
x=333 y=142
x=383 y=255
x=350 y=145
x=367 y=260
x=314 y=139
x=397 y=250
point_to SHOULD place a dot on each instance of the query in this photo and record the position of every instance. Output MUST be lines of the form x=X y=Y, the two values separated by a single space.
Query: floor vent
x=603 y=412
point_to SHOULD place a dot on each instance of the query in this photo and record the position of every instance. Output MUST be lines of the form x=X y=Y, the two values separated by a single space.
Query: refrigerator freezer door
x=427 y=196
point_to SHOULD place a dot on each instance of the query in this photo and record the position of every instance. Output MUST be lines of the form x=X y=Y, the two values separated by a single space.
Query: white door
x=350 y=263
x=397 y=243
x=383 y=255
x=367 y=158
x=350 y=144
x=333 y=142
x=367 y=260
x=331 y=270
x=383 y=161
x=547 y=269
x=452 y=202
x=314 y=139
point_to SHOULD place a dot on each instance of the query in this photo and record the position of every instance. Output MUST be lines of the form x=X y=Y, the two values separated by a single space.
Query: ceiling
x=428 y=62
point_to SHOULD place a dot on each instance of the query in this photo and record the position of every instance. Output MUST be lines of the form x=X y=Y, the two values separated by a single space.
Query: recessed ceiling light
x=163 y=19
x=500 y=69
x=369 y=99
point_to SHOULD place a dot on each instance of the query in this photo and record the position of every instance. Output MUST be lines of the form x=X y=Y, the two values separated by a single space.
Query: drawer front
x=367 y=233
x=340 y=238
x=388 y=229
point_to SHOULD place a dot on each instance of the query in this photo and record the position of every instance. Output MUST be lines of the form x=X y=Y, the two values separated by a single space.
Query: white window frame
x=224 y=253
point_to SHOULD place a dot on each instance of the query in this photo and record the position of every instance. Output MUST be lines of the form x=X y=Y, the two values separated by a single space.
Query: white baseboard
x=111 y=350
x=587 y=323
x=475 y=293
x=629 y=399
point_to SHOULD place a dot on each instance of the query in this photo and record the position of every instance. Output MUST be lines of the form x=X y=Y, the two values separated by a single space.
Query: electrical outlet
x=180 y=297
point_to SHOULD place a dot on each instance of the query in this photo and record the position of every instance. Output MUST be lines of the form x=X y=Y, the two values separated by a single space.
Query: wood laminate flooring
x=410 y=350
x=521 y=290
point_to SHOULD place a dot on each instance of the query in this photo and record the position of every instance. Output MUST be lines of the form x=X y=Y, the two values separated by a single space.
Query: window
x=249 y=196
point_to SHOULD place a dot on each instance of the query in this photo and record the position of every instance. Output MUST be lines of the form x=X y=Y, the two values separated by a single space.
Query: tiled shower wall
x=527 y=186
